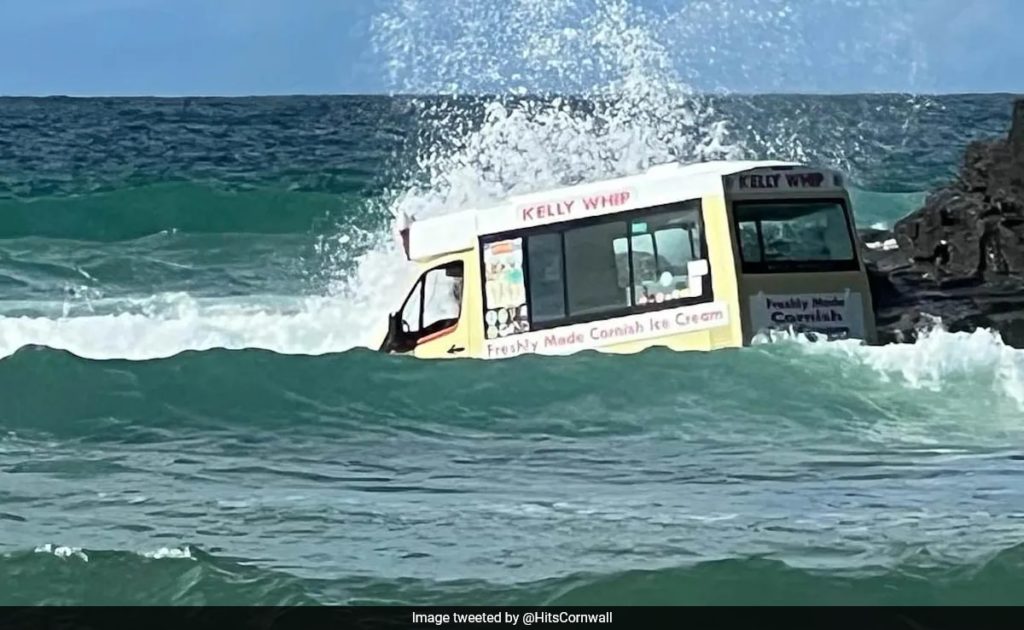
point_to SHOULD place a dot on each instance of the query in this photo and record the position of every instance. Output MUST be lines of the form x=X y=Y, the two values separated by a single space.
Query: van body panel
x=723 y=265
x=660 y=184
x=825 y=303
x=458 y=341
x=682 y=328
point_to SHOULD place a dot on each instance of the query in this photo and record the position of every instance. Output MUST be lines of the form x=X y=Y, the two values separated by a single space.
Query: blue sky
x=234 y=47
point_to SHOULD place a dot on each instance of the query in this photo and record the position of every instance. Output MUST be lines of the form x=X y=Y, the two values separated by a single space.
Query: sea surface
x=189 y=414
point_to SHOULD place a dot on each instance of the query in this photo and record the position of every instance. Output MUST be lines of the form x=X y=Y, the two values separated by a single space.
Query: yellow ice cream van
x=690 y=257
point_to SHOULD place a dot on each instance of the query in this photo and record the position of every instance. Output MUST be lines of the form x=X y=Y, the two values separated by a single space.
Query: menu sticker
x=505 y=288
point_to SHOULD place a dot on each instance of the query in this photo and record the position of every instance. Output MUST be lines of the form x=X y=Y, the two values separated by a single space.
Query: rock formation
x=959 y=258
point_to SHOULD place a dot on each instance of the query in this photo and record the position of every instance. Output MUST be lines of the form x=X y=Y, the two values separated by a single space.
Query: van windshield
x=796 y=236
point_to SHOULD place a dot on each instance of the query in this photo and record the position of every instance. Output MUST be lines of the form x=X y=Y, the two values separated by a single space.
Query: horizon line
x=397 y=94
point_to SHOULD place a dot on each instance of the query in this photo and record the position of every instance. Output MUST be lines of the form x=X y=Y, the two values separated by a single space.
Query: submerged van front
x=798 y=263
x=692 y=257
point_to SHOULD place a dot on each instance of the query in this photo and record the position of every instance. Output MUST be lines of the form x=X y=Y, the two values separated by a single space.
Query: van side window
x=612 y=266
x=677 y=245
x=547 y=278
x=442 y=291
x=811 y=235
x=590 y=271
x=662 y=247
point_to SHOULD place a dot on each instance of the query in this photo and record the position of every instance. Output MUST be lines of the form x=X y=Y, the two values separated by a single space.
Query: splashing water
x=612 y=85
x=528 y=94
x=620 y=108
x=605 y=99
x=939 y=361
x=533 y=94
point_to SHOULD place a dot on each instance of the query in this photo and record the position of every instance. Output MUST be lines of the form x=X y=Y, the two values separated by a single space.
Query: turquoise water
x=187 y=415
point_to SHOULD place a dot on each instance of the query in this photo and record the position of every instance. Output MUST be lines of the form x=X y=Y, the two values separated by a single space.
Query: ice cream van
x=689 y=257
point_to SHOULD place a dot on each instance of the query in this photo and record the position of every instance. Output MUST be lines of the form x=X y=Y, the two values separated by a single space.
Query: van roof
x=658 y=185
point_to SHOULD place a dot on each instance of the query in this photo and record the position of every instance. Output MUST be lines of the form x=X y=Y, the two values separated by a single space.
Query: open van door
x=429 y=324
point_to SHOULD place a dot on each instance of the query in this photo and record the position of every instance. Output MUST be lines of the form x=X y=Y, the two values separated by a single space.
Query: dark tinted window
x=793 y=232
x=590 y=270
x=547 y=278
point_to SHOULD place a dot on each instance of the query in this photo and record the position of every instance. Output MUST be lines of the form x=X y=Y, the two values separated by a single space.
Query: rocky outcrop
x=959 y=258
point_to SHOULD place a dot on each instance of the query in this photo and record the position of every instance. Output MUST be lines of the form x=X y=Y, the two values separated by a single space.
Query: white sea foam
x=63 y=552
x=940 y=358
x=886 y=245
x=937 y=361
x=168 y=324
x=174 y=553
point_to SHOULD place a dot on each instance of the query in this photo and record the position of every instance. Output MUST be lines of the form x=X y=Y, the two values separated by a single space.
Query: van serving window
x=794 y=236
x=601 y=268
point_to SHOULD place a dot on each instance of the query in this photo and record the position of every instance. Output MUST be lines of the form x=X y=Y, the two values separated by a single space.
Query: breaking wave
x=103 y=577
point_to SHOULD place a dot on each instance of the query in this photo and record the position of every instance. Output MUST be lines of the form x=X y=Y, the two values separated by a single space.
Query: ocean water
x=189 y=415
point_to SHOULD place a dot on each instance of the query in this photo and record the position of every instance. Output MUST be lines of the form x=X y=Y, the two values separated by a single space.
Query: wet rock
x=959 y=258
